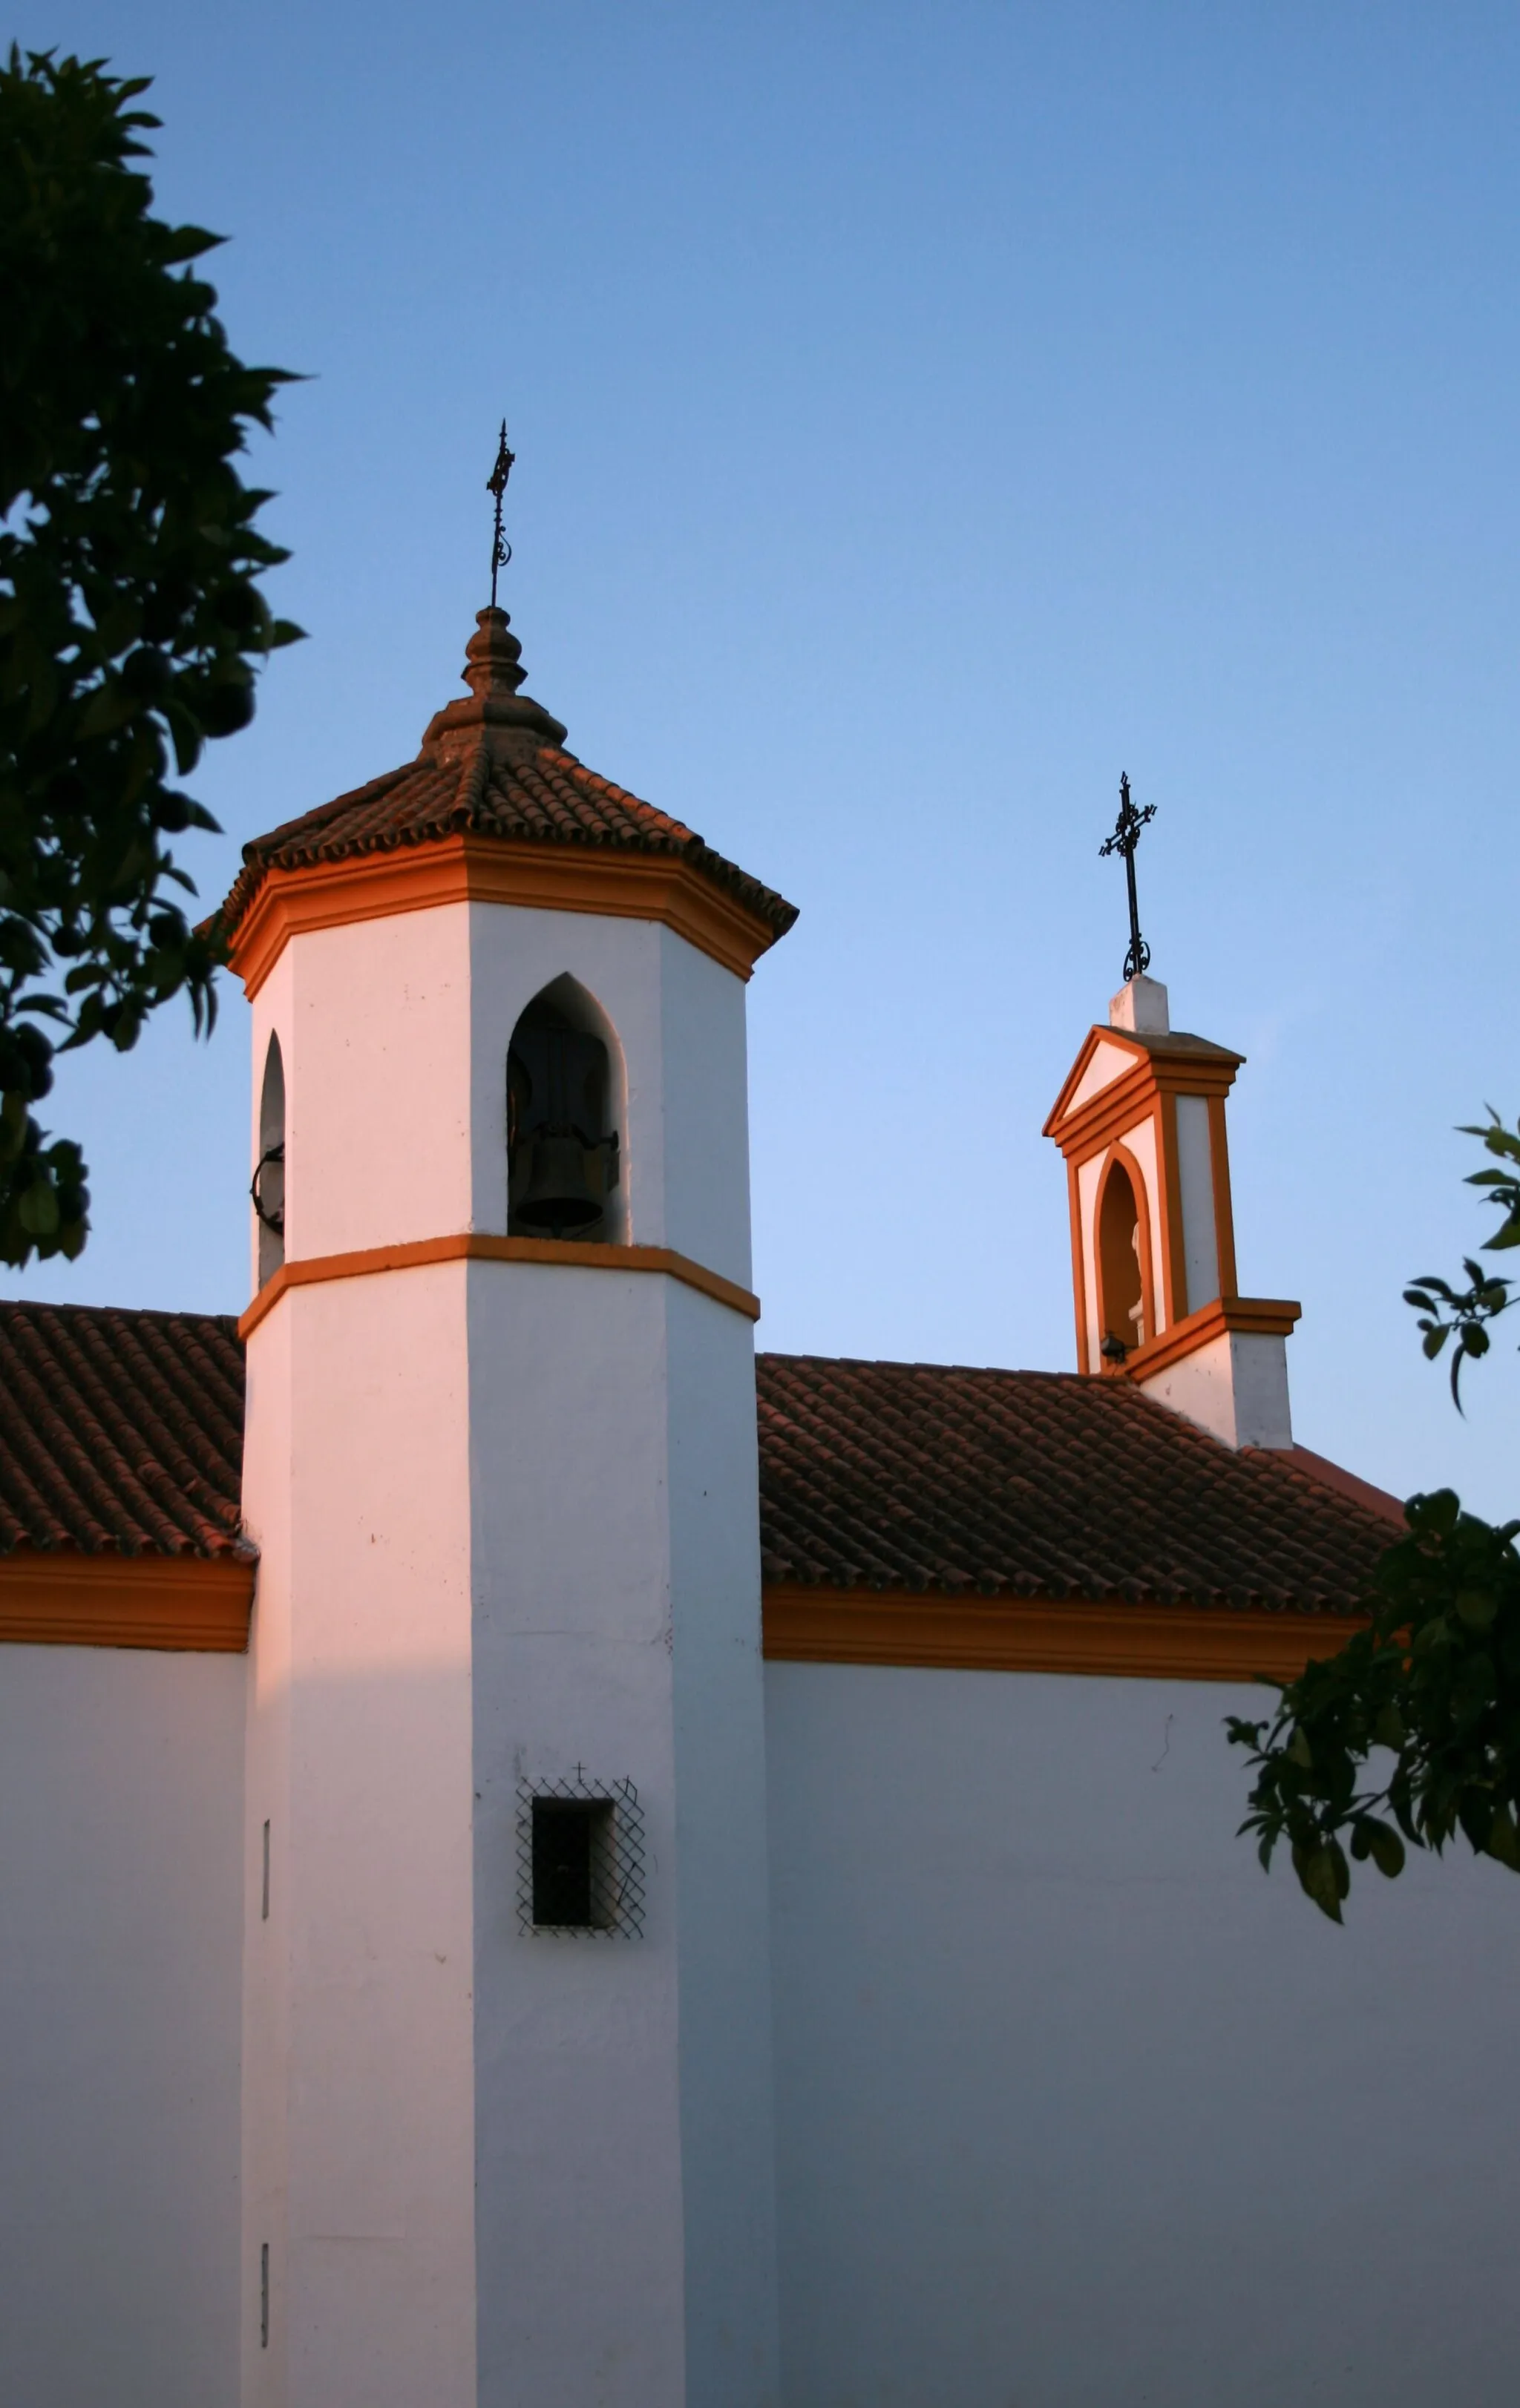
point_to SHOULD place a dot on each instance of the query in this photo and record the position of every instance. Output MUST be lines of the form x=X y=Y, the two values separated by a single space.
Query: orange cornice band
x=1184 y=1070
x=1161 y=1642
x=469 y=869
x=475 y=1246
x=190 y=1603
x=1131 y=1098
x=1249 y=1316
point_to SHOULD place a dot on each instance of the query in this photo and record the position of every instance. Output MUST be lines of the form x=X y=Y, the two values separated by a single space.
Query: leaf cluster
x=1410 y=1734
x=1464 y=1314
x=131 y=621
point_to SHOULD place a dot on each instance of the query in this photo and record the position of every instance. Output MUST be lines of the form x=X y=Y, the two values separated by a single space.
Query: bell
x=558 y=1195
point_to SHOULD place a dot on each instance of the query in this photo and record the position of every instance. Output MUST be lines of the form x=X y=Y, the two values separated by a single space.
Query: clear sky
x=924 y=413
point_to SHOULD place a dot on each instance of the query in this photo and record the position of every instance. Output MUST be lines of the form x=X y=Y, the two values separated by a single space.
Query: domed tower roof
x=494 y=807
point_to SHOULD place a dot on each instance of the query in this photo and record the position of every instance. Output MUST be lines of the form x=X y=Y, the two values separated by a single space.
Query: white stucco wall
x=578 y=2082
x=373 y=1018
x=1195 y=1186
x=625 y=2227
x=678 y=1023
x=1076 y=2108
x=509 y=1511
x=358 y=2066
x=1236 y=1385
x=121 y=1896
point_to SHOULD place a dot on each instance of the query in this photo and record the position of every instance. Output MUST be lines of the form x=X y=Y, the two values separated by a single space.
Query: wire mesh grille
x=579 y=1859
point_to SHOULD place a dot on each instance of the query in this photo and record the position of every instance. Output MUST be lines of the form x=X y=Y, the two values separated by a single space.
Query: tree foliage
x=1411 y=1731
x=131 y=621
x=1464 y=1314
x=1413 y=1726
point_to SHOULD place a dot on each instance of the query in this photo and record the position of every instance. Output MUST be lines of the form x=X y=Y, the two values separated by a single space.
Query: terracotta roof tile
x=550 y=798
x=120 y=1432
x=492 y=765
x=123 y=1432
x=923 y=1476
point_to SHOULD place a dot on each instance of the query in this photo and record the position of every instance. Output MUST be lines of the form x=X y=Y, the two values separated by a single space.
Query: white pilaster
x=1235 y=1385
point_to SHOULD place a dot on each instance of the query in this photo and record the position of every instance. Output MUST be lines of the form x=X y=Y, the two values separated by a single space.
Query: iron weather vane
x=501 y=551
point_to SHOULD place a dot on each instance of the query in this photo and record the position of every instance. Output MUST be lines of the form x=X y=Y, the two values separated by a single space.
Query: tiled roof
x=549 y=798
x=123 y=1431
x=492 y=765
x=120 y=1433
x=921 y=1476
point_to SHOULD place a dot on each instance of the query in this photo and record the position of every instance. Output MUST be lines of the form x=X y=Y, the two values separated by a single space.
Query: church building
x=551 y=1860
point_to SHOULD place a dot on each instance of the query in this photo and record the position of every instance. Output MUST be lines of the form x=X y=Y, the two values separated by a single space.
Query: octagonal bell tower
x=507 y=2085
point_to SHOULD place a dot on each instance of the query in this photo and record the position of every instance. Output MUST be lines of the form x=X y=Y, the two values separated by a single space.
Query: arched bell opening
x=268 y=1188
x=1124 y=1273
x=565 y=1112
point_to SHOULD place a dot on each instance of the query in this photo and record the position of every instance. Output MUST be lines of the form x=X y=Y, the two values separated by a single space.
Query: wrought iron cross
x=501 y=551
x=1125 y=836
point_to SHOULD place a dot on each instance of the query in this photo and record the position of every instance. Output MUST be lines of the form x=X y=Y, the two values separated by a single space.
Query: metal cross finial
x=501 y=551
x=1125 y=836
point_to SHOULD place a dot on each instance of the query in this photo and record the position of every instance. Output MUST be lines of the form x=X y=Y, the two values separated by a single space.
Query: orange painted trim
x=476 y=1246
x=1223 y=1207
x=1129 y=1099
x=1194 y=1074
x=1099 y=1033
x=826 y=1626
x=1121 y=1156
x=473 y=870
x=190 y=1604
x=1079 y=1268
x=1249 y=1316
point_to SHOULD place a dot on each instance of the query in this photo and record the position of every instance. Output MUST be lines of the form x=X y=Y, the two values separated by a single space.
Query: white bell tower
x=1141 y=1121
x=506 y=2049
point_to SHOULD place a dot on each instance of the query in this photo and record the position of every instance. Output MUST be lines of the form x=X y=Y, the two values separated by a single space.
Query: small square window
x=572 y=1846
x=581 y=1857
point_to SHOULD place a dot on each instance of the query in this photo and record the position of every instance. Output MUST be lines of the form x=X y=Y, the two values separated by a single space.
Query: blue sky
x=924 y=413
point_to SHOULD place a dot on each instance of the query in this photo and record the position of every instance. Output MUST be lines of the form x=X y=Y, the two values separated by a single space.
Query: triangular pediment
x=1106 y=1055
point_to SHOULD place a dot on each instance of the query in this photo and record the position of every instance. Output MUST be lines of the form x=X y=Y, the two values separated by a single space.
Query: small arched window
x=268 y=1188
x=1122 y=1271
x=562 y=1168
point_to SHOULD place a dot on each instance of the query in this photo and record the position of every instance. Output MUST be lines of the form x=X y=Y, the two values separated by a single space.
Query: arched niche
x=565 y=1109
x=268 y=1188
x=1126 y=1315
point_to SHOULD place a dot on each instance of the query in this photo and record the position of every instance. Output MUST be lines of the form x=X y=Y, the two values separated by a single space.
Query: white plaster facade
x=1076 y=2109
x=964 y=2058
x=121 y=1960
x=1235 y=1387
x=1071 y=2105
x=508 y=1521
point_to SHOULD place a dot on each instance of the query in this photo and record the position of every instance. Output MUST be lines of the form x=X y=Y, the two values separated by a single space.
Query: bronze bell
x=558 y=1195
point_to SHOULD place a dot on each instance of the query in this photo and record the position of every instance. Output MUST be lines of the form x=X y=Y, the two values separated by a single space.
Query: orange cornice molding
x=1248 y=1317
x=476 y=1246
x=1162 y=1642
x=1180 y=1068
x=194 y=1604
x=1130 y=1097
x=474 y=869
